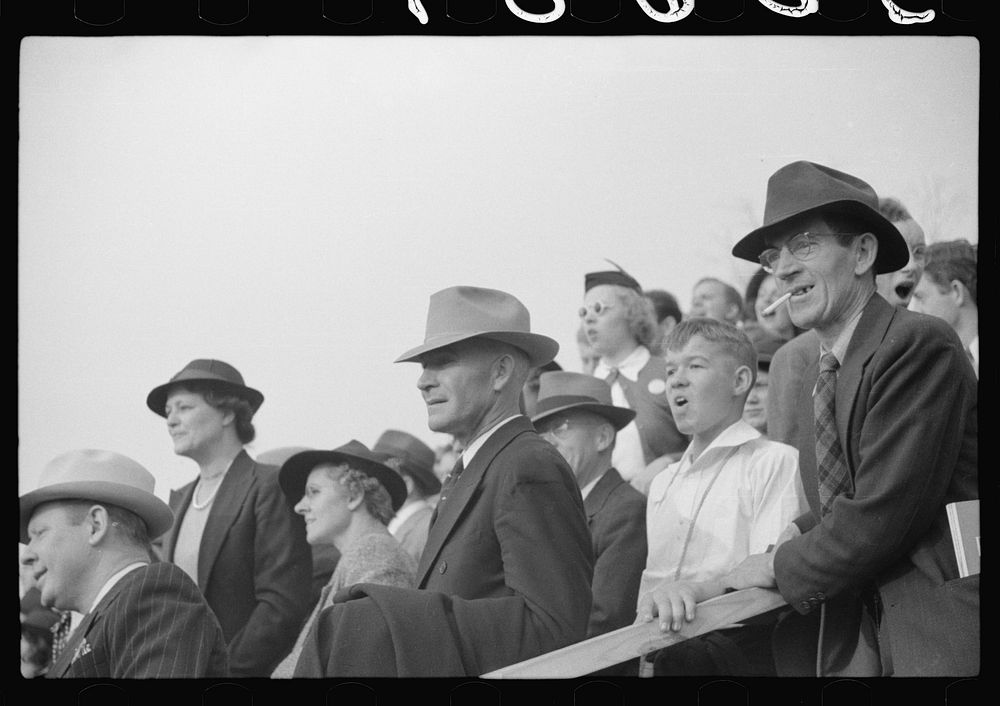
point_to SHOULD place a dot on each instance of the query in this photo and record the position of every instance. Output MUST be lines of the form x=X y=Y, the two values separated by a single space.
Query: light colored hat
x=101 y=476
x=560 y=391
x=460 y=313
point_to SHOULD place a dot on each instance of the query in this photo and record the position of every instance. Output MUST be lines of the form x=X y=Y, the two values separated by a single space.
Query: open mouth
x=904 y=290
x=680 y=401
x=801 y=291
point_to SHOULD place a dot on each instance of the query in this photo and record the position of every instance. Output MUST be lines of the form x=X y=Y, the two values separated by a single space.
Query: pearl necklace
x=194 y=496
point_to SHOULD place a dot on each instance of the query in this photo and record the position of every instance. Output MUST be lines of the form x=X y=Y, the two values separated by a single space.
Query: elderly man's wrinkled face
x=58 y=555
x=827 y=280
x=575 y=436
x=458 y=387
x=897 y=287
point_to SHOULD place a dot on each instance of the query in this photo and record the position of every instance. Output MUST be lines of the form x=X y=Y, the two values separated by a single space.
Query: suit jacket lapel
x=179 y=502
x=233 y=490
x=867 y=336
x=65 y=660
x=460 y=495
x=598 y=495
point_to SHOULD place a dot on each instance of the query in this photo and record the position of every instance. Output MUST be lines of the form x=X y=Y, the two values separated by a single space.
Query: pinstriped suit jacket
x=153 y=624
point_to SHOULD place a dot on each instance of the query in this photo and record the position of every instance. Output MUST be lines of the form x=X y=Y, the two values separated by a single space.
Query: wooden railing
x=636 y=640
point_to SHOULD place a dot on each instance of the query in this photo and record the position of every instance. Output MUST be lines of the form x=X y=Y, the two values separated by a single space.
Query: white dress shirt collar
x=115 y=578
x=630 y=367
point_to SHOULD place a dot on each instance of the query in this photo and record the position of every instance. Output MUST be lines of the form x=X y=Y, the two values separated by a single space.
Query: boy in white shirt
x=729 y=496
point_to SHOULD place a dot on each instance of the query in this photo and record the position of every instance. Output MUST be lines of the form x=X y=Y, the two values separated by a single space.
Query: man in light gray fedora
x=88 y=528
x=505 y=574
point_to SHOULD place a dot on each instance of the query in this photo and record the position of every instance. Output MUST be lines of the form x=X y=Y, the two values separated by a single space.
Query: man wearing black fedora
x=871 y=571
x=575 y=414
x=88 y=528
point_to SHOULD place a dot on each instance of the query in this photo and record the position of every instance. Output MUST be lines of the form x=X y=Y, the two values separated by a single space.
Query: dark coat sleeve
x=160 y=627
x=282 y=567
x=619 y=533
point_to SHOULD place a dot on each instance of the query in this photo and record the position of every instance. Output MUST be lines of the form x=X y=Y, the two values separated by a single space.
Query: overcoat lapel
x=226 y=506
x=867 y=336
x=598 y=495
x=458 y=499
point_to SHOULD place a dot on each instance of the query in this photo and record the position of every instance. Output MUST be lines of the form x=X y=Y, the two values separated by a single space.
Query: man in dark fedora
x=871 y=571
x=414 y=461
x=88 y=527
x=575 y=414
x=235 y=535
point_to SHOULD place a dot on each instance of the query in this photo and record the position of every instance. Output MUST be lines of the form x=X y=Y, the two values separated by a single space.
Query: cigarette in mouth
x=777 y=302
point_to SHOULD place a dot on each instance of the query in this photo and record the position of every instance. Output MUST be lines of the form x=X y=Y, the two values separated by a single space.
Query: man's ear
x=742 y=380
x=503 y=371
x=866 y=248
x=605 y=435
x=100 y=524
x=960 y=292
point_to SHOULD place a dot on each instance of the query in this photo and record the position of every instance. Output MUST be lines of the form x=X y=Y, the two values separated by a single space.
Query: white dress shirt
x=748 y=490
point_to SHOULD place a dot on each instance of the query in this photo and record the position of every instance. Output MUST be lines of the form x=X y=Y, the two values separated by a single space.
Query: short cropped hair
x=129 y=525
x=893 y=210
x=731 y=339
x=377 y=500
x=948 y=261
x=664 y=305
x=225 y=402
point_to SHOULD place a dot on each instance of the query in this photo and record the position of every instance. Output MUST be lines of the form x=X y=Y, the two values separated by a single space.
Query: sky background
x=289 y=204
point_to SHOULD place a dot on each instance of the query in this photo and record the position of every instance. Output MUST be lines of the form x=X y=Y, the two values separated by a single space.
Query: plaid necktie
x=447 y=485
x=830 y=464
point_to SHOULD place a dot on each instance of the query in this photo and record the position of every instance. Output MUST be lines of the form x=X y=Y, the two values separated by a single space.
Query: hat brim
x=294 y=472
x=540 y=349
x=893 y=252
x=156 y=400
x=618 y=416
x=154 y=512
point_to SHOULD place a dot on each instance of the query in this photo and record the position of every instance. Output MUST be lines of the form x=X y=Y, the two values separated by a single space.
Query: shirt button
x=443 y=567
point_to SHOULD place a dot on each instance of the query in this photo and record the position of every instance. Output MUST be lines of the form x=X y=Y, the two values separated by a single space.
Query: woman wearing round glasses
x=621 y=326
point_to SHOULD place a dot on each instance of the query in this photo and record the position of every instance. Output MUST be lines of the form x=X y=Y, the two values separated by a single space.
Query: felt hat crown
x=104 y=477
x=216 y=372
x=803 y=189
x=461 y=313
x=295 y=471
x=560 y=391
x=415 y=458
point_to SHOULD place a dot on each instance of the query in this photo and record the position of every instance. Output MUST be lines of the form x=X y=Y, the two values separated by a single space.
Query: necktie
x=447 y=485
x=60 y=634
x=830 y=464
x=612 y=376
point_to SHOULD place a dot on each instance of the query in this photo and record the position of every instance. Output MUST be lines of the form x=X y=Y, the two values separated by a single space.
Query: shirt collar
x=735 y=434
x=473 y=448
x=585 y=490
x=115 y=578
x=630 y=367
x=839 y=348
x=405 y=513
